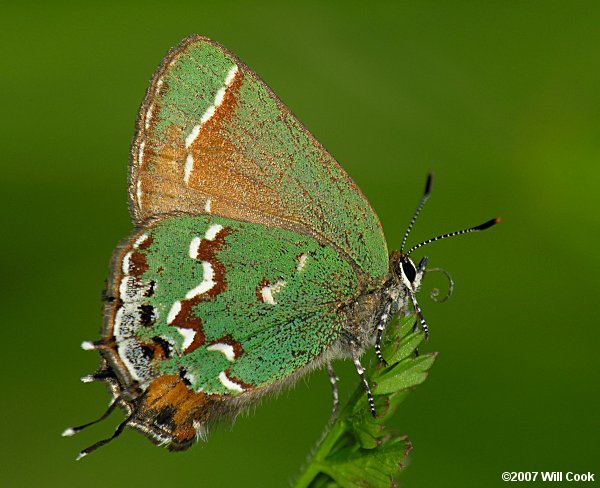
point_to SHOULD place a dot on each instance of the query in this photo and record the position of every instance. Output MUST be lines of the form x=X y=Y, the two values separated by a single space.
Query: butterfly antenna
x=418 y=210
x=99 y=444
x=485 y=225
x=74 y=430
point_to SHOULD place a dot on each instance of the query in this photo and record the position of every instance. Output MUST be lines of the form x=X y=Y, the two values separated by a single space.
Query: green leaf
x=396 y=331
x=374 y=468
x=406 y=324
x=358 y=450
x=405 y=347
x=365 y=427
x=407 y=373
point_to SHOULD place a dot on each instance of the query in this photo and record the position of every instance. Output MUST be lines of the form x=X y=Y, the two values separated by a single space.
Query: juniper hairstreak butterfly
x=255 y=257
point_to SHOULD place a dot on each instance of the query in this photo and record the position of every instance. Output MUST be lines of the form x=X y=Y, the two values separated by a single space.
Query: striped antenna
x=483 y=226
x=418 y=210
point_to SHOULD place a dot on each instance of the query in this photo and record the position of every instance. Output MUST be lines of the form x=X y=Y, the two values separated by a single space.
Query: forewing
x=212 y=138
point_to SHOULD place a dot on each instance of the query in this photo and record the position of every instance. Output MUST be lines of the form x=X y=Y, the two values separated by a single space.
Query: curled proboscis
x=435 y=292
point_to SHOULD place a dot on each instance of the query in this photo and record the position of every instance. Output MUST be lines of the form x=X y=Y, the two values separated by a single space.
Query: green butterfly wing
x=228 y=305
x=212 y=138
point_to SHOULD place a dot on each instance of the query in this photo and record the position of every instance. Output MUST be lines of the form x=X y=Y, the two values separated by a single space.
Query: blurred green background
x=500 y=98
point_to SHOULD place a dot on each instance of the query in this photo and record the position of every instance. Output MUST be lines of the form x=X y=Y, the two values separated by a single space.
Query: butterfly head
x=407 y=272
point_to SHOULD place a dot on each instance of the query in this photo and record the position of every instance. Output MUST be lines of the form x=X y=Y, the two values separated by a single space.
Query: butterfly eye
x=409 y=271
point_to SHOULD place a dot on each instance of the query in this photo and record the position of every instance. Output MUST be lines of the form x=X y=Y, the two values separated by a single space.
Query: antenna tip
x=428 y=183
x=88 y=346
x=488 y=224
x=69 y=432
x=81 y=455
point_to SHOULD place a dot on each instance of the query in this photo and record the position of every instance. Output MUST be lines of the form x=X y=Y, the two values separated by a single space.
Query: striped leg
x=420 y=317
x=361 y=372
x=380 y=328
x=333 y=379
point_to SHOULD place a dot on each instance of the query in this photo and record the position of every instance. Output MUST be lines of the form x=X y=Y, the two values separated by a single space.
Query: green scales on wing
x=239 y=305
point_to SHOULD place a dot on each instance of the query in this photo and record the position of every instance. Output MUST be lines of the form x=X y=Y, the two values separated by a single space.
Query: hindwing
x=226 y=305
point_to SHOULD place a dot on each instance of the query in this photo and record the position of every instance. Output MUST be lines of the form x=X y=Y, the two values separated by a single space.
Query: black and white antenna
x=419 y=208
x=477 y=228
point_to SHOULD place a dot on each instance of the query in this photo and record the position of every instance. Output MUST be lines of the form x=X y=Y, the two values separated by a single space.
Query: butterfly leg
x=421 y=319
x=380 y=329
x=361 y=372
x=333 y=379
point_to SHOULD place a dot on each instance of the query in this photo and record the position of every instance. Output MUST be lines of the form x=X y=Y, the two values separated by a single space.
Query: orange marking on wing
x=138 y=264
x=169 y=393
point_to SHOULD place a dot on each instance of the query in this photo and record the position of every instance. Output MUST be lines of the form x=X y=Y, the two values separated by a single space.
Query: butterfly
x=255 y=257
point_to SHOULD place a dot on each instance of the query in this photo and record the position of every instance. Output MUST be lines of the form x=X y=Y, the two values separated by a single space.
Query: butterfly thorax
x=379 y=306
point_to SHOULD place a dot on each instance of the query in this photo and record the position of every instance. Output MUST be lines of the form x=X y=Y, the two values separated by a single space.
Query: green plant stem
x=336 y=430
x=313 y=468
